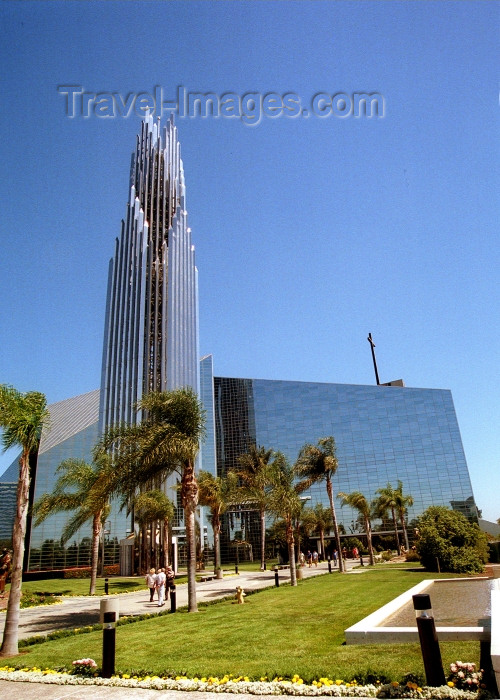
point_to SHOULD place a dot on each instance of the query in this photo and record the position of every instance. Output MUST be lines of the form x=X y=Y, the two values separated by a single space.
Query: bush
x=412 y=555
x=448 y=541
x=84 y=571
x=387 y=555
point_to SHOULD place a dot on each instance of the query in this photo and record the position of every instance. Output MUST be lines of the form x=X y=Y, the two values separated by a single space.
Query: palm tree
x=284 y=502
x=356 y=500
x=317 y=463
x=86 y=490
x=217 y=493
x=254 y=472
x=388 y=501
x=22 y=417
x=166 y=441
x=402 y=503
x=152 y=507
x=319 y=520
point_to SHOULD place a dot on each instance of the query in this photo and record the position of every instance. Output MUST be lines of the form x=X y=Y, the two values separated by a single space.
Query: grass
x=278 y=632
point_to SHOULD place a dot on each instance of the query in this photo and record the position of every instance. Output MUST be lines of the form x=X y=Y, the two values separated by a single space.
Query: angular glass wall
x=383 y=434
x=72 y=434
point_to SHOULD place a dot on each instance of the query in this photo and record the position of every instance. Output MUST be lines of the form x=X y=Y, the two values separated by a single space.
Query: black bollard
x=361 y=559
x=276 y=578
x=329 y=565
x=173 y=599
x=108 y=644
x=236 y=569
x=106 y=586
x=431 y=653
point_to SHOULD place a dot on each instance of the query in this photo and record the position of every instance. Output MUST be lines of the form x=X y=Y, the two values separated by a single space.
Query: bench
x=207 y=578
x=282 y=566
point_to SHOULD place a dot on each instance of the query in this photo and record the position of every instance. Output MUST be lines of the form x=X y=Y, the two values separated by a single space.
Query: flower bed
x=229 y=684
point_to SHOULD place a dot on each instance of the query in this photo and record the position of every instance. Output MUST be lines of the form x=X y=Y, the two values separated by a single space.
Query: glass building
x=383 y=434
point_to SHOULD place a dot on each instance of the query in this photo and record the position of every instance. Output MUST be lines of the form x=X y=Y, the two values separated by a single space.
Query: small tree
x=85 y=490
x=388 y=500
x=166 y=441
x=22 y=417
x=319 y=520
x=319 y=463
x=357 y=501
x=284 y=502
x=150 y=508
x=254 y=471
x=402 y=502
x=218 y=494
x=449 y=542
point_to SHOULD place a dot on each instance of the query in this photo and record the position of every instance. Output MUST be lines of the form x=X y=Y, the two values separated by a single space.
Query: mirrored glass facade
x=383 y=434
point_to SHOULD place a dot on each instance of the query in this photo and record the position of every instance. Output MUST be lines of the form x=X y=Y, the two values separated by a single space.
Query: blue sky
x=310 y=232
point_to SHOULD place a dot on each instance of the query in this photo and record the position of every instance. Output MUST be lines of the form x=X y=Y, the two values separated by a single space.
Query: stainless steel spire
x=151 y=329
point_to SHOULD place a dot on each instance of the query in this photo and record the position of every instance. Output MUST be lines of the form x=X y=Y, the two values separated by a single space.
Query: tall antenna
x=372 y=345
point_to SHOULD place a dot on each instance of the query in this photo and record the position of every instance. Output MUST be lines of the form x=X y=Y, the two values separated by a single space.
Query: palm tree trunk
x=11 y=631
x=335 y=525
x=96 y=532
x=394 y=520
x=189 y=493
x=291 y=553
x=262 y=539
x=166 y=554
x=405 y=533
x=322 y=540
x=217 y=549
x=368 y=529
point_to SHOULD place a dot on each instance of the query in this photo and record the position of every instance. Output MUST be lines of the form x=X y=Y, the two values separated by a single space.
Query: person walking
x=170 y=578
x=309 y=558
x=160 y=586
x=335 y=557
x=315 y=558
x=151 y=583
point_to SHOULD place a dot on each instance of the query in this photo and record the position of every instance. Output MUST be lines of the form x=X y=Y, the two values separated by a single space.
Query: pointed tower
x=151 y=326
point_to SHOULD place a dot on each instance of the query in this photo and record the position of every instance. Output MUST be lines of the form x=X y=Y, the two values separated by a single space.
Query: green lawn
x=278 y=632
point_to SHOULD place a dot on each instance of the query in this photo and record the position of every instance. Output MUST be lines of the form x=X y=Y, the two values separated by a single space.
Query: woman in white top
x=151 y=582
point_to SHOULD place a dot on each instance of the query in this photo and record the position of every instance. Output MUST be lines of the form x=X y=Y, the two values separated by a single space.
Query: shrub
x=84 y=571
x=412 y=555
x=448 y=541
x=387 y=555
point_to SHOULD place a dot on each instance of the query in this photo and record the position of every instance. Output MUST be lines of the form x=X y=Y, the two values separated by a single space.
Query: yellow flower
x=338 y=682
x=125 y=675
x=394 y=684
x=451 y=684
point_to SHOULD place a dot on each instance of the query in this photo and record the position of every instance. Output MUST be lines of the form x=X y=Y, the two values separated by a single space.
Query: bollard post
x=173 y=599
x=236 y=569
x=276 y=578
x=361 y=559
x=329 y=565
x=431 y=653
x=106 y=586
x=108 y=618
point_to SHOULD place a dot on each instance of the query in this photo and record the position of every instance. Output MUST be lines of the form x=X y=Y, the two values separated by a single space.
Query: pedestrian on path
x=151 y=583
x=160 y=586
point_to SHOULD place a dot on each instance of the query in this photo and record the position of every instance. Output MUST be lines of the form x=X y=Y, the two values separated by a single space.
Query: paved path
x=79 y=611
